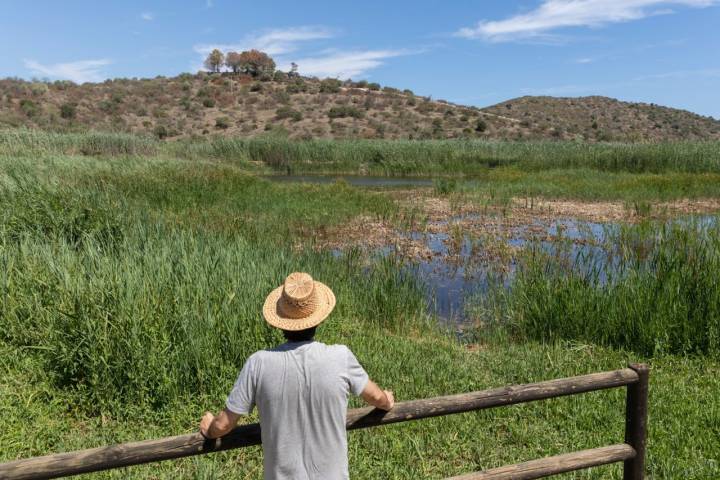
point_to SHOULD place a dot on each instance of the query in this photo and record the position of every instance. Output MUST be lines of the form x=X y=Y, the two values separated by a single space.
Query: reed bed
x=652 y=289
x=124 y=304
x=381 y=157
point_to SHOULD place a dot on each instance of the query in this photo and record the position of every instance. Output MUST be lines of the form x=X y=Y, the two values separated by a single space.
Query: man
x=301 y=389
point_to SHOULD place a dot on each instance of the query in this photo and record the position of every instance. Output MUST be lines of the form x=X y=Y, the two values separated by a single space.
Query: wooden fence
x=632 y=452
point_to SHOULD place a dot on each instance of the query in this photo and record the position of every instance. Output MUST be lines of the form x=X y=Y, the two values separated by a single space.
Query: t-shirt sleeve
x=242 y=397
x=356 y=375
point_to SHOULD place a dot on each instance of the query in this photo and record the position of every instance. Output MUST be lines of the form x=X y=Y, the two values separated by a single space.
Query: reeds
x=147 y=290
x=382 y=157
x=654 y=290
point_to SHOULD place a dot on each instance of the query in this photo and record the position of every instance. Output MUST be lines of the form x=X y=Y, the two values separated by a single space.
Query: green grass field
x=131 y=281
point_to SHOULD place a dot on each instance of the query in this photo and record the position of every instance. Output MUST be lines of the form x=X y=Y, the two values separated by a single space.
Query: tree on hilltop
x=256 y=63
x=234 y=60
x=215 y=60
x=293 y=70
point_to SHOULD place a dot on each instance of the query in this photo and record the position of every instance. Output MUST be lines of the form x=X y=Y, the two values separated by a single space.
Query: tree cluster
x=251 y=62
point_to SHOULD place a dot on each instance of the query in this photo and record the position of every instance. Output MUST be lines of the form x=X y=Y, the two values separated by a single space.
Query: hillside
x=602 y=118
x=237 y=105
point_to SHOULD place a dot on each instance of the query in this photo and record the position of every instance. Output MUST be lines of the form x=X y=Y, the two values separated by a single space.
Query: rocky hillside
x=238 y=105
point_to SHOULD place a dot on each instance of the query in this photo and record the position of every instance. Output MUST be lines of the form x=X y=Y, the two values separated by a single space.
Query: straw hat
x=299 y=303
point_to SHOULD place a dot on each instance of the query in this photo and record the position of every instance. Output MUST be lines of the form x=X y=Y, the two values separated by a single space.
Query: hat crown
x=299 y=303
x=299 y=287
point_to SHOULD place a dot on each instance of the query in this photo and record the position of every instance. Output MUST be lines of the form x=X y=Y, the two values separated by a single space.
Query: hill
x=238 y=105
x=601 y=118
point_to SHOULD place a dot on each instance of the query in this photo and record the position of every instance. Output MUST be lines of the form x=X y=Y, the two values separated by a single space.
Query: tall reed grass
x=127 y=302
x=655 y=291
x=381 y=157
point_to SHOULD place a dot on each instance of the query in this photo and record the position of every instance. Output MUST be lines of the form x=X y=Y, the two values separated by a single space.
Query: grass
x=591 y=185
x=379 y=157
x=653 y=289
x=131 y=289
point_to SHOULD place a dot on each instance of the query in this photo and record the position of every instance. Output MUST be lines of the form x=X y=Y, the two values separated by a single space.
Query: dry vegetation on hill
x=239 y=105
x=605 y=119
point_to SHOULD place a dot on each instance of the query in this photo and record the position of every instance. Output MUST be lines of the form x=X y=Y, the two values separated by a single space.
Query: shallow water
x=456 y=272
x=355 y=180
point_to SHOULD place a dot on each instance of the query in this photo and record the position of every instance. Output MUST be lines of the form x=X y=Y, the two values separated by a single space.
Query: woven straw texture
x=298 y=304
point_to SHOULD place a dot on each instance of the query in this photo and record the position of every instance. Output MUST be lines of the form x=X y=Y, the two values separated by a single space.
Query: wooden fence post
x=636 y=411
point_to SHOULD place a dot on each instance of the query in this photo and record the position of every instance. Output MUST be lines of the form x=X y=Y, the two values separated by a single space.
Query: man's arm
x=216 y=427
x=382 y=399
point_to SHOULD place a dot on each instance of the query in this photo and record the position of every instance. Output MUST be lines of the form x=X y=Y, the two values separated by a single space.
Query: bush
x=287 y=112
x=29 y=107
x=345 y=111
x=281 y=96
x=298 y=86
x=330 y=85
x=67 y=110
x=208 y=102
x=480 y=126
x=256 y=87
x=374 y=86
x=222 y=122
x=160 y=132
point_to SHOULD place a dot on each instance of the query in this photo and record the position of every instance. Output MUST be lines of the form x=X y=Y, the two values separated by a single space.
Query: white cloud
x=79 y=72
x=209 y=3
x=272 y=42
x=584 y=60
x=555 y=14
x=147 y=16
x=346 y=64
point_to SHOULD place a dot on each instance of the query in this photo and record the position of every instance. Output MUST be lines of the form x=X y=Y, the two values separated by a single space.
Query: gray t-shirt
x=301 y=390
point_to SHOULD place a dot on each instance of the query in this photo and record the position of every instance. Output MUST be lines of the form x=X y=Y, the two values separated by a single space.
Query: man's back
x=301 y=391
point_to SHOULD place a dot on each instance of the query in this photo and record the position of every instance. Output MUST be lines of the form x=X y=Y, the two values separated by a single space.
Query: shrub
x=208 y=102
x=330 y=85
x=374 y=86
x=298 y=86
x=222 y=122
x=67 y=110
x=256 y=87
x=160 y=132
x=345 y=111
x=480 y=126
x=281 y=96
x=287 y=112
x=29 y=107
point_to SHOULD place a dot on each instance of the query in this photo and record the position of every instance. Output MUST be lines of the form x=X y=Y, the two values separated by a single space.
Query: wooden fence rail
x=632 y=452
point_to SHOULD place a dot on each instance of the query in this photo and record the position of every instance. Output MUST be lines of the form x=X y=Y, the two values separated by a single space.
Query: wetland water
x=461 y=257
x=456 y=268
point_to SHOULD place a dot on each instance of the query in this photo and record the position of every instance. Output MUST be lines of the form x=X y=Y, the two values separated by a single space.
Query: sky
x=466 y=51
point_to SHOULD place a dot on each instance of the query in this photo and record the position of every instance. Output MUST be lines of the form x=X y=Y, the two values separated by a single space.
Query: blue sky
x=471 y=51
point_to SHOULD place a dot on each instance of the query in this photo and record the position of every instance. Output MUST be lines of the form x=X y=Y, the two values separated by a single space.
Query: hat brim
x=273 y=315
